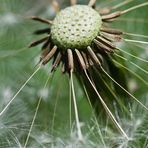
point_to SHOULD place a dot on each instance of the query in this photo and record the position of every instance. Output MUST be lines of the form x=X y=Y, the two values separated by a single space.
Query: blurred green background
x=51 y=128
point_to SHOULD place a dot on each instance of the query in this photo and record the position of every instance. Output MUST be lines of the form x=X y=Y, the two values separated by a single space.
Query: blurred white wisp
x=9 y=18
x=6 y=95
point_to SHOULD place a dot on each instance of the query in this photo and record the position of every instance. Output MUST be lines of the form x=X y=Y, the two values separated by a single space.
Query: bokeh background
x=51 y=128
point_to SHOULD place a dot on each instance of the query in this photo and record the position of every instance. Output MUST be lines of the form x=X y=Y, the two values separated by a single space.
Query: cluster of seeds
x=75 y=27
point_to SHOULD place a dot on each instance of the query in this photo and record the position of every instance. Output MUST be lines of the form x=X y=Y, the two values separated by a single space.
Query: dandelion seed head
x=75 y=27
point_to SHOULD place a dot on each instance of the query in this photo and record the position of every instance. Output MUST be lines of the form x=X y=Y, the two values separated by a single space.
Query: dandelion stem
x=134 y=7
x=70 y=107
x=136 y=35
x=125 y=90
x=100 y=133
x=9 y=103
x=106 y=108
x=136 y=41
x=114 y=95
x=145 y=71
x=121 y=4
x=133 y=20
x=136 y=75
x=55 y=108
x=34 y=117
x=143 y=60
x=80 y=137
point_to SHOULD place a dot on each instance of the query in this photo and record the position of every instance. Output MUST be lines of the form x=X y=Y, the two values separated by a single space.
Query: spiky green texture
x=75 y=27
